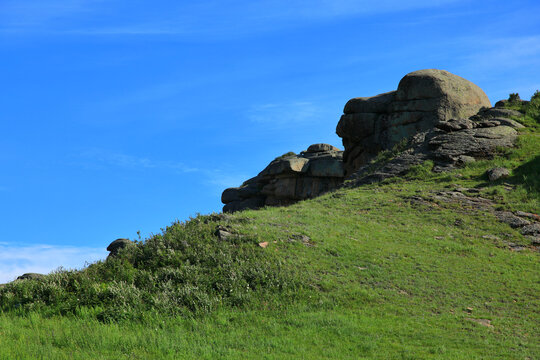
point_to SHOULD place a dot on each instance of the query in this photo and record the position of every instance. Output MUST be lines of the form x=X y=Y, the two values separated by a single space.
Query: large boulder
x=117 y=245
x=433 y=115
x=31 y=276
x=288 y=179
x=423 y=99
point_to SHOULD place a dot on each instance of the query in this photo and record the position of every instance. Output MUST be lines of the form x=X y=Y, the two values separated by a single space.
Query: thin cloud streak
x=16 y=260
x=117 y=159
x=221 y=180
x=215 y=18
x=284 y=115
x=504 y=52
x=217 y=179
x=29 y=13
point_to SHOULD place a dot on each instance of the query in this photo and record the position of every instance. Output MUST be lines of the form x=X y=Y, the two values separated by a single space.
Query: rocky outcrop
x=423 y=99
x=31 y=276
x=288 y=179
x=117 y=245
x=433 y=115
x=450 y=144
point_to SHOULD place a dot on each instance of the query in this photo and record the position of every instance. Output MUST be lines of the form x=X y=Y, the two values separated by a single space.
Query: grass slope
x=365 y=273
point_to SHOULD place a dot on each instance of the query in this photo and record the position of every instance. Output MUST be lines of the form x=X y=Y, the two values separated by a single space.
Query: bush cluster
x=184 y=270
x=531 y=108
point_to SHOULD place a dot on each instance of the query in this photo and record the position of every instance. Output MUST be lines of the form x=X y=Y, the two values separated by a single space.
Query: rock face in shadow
x=450 y=144
x=423 y=99
x=288 y=179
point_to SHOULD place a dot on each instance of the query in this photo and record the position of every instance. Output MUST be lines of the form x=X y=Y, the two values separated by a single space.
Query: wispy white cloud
x=118 y=159
x=505 y=62
x=221 y=180
x=135 y=97
x=215 y=178
x=207 y=17
x=503 y=52
x=16 y=260
x=282 y=115
x=31 y=13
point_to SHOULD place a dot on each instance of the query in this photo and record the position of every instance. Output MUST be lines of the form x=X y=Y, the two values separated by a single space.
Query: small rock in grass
x=306 y=240
x=535 y=240
x=222 y=232
x=263 y=244
x=465 y=159
x=527 y=215
x=533 y=229
x=497 y=173
x=511 y=219
x=517 y=248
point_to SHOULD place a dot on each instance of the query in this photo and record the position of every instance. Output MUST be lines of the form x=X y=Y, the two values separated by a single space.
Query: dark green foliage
x=531 y=109
x=514 y=98
x=182 y=271
x=528 y=176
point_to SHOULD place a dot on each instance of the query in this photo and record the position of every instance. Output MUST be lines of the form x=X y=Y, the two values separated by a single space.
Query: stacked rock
x=443 y=118
x=449 y=144
x=423 y=99
x=288 y=179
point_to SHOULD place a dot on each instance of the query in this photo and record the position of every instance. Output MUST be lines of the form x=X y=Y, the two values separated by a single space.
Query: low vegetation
x=383 y=271
x=531 y=109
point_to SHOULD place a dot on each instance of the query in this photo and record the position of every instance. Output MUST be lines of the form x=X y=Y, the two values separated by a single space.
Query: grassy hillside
x=406 y=269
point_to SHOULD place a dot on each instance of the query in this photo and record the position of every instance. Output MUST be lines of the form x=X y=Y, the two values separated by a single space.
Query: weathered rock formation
x=423 y=99
x=450 y=144
x=433 y=115
x=288 y=179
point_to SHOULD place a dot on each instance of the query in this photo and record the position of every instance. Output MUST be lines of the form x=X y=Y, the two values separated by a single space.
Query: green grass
x=531 y=111
x=381 y=277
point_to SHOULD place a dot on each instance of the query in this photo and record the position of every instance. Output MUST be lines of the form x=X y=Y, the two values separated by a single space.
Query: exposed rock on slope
x=449 y=145
x=118 y=245
x=440 y=116
x=423 y=98
x=31 y=276
x=289 y=178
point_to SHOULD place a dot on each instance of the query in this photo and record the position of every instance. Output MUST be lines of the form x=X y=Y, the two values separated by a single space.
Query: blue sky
x=119 y=116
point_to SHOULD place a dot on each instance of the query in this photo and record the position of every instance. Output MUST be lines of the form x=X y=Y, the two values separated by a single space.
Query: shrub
x=186 y=269
x=514 y=98
x=533 y=107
